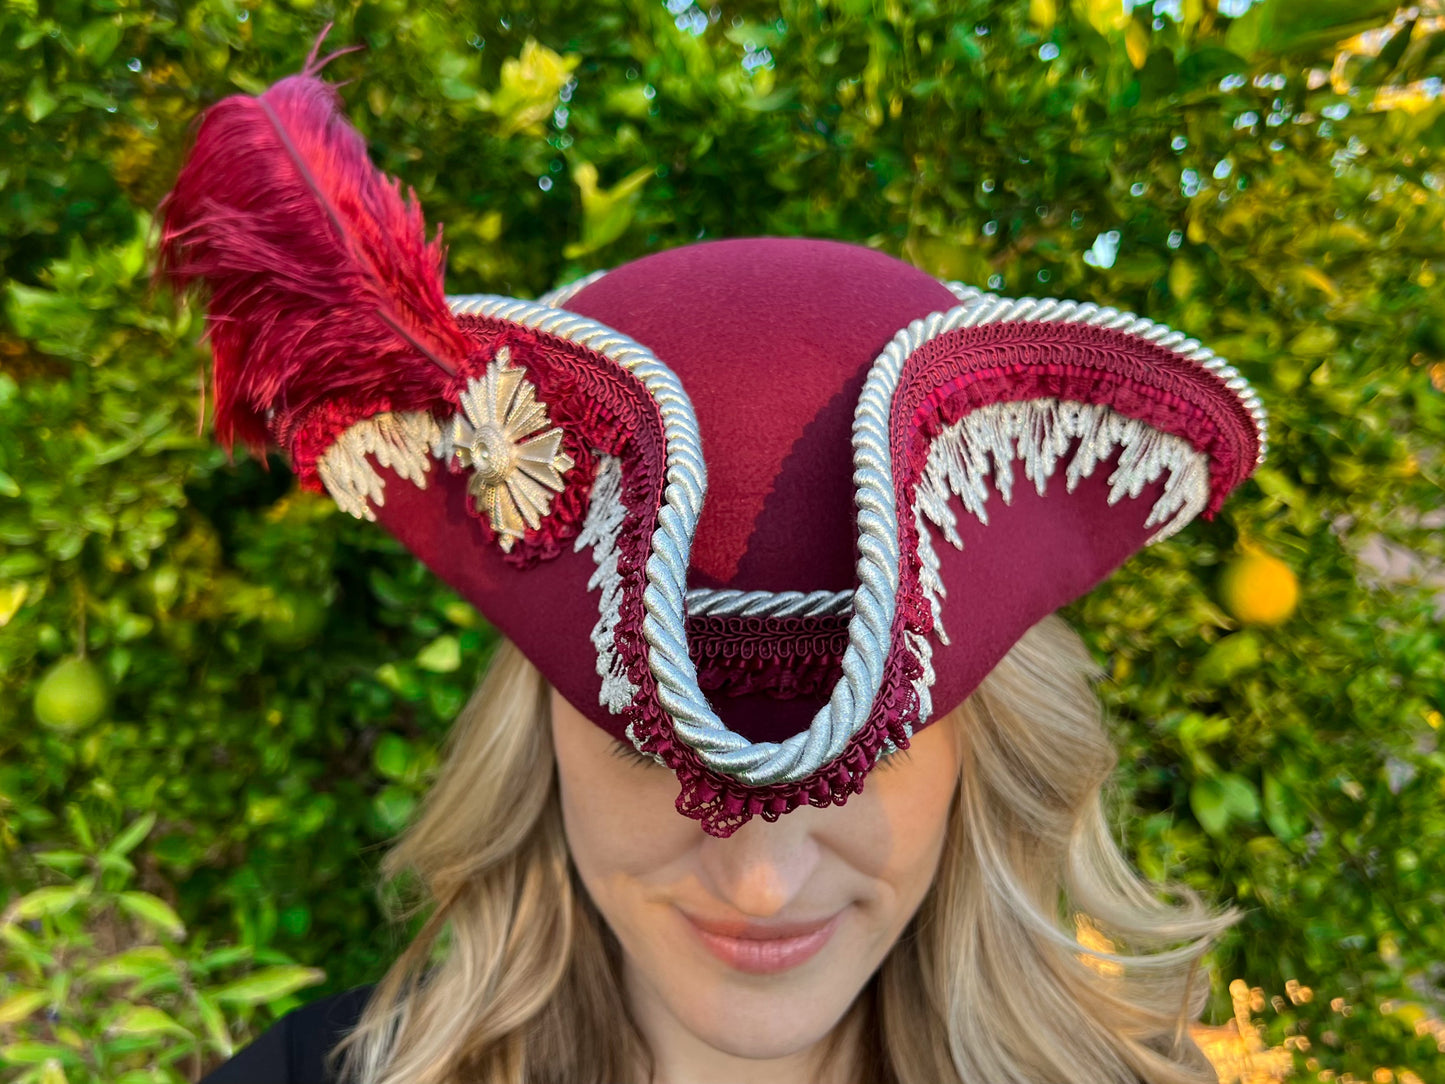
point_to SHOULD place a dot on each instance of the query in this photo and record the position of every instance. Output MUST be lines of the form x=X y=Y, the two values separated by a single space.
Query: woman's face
x=754 y=945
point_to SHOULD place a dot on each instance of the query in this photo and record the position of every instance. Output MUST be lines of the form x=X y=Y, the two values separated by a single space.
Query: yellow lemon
x=1259 y=589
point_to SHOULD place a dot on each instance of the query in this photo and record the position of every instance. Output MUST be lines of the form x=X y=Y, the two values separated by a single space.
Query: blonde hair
x=513 y=977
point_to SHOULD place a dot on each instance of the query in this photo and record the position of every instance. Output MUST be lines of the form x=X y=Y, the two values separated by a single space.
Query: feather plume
x=323 y=285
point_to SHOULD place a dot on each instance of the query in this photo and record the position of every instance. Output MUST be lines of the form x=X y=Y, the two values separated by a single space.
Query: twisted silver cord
x=559 y=297
x=706 y=601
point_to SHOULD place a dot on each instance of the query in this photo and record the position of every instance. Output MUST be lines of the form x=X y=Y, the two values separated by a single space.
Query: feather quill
x=323 y=285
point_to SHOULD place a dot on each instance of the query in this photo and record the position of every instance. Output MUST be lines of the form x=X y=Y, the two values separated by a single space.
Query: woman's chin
x=762 y=1026
x=755 y=1014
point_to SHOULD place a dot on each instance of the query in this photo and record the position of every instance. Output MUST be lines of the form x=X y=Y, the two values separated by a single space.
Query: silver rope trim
x=873 y=471
x=557 y=298
x=965 y=293
x=710 y=602
x=992 y=309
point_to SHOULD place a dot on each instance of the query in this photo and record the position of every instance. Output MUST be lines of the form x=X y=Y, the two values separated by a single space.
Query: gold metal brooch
x=506 y=439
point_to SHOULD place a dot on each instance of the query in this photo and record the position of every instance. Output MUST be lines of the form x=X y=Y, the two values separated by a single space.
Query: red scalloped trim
x=784 y=657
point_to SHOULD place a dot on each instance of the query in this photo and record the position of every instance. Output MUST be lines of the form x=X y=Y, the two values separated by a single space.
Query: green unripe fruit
x=294 y=620
x=71 y=695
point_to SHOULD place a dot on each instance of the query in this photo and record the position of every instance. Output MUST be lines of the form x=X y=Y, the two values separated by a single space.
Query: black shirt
x=291 y=1051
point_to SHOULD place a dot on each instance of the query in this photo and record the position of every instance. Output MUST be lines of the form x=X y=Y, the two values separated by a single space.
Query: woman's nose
x=762 y=868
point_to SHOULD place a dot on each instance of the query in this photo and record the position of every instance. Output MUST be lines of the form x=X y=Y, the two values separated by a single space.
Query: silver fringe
x=975 y=456
x=600 y=530
x=404 y=442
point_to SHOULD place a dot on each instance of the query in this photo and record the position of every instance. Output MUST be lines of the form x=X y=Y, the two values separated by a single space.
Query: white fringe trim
x=404 y=442
x=974 y=456
x=600 y=530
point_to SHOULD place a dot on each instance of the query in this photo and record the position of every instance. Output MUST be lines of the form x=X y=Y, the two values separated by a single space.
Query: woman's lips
x=762 y=949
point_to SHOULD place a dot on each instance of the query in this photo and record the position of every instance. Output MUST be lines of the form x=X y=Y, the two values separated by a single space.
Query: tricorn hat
x=761 y=507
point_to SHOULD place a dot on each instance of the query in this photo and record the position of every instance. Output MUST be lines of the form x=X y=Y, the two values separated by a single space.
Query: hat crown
x=772 y=338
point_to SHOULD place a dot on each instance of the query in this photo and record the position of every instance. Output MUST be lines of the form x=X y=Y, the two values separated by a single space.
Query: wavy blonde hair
x=514 y=978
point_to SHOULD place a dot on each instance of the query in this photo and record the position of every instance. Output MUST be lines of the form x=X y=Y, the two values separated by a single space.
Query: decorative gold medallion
x=506 y=439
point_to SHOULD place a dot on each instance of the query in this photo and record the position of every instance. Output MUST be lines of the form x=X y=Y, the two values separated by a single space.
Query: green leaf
x=1207 y=799
x=26 y=946
x=1315 y=341
x=80 y=826
x=113 y=863
x=1208 y=64
x=17 y=1007
x=393 y=756
x=1217 y=800
x=394 y=807
x=132 y=964
x=1276 y=485
x=127 y=841
x=1240 y=797
x=268 y=984
x=1380 y=66
x=1228 y=658
x=65 y=861
x=1281 y=810
x=224 y=957
x=12 y=597
x=42 y=903
x=1276 y=27
x=152 y=910
x=529 y=88
x=215 y=1024
x=1183 y=278
x=442 y=656
x=98 y=39
x=39 y=102
x=1106 y=16
x=146 y=1020
x=606 y=212
x=37 y=1053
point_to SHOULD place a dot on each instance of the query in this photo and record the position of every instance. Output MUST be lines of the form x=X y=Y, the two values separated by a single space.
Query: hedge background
x=191 y=849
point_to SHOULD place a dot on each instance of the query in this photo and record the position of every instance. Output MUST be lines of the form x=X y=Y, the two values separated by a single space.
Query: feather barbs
x=323 y=284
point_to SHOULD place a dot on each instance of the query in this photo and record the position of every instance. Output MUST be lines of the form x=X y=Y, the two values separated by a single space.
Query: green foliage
x=101 y=982
x=279 y=677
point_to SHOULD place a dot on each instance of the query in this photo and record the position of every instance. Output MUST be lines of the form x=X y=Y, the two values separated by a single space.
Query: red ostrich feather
x=323 y=285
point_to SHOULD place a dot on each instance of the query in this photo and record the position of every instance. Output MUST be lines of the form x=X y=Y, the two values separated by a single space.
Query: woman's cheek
x=894 y=831
x=621 y=817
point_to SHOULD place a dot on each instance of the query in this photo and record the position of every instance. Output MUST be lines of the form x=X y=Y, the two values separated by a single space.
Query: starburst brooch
x=506 y=439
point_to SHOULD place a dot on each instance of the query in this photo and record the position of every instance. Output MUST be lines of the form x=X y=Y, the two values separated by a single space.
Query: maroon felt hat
x=760 y=507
